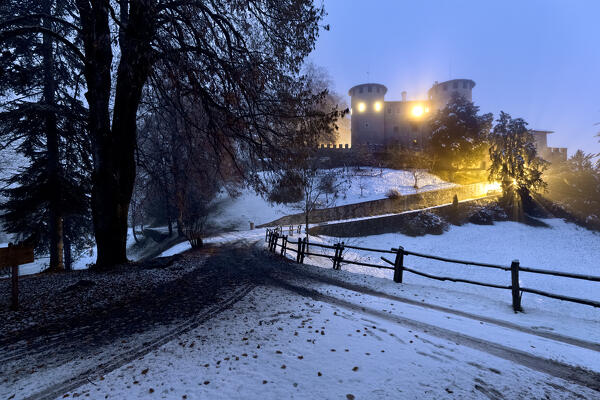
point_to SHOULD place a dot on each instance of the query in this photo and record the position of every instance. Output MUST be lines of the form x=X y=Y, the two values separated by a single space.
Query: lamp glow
x=377 y=106
x=417 y=111
x=361 y=107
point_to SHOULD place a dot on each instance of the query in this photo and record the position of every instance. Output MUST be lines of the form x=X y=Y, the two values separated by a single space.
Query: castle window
x=369 y=89
x=455 y=85
x=366 y=124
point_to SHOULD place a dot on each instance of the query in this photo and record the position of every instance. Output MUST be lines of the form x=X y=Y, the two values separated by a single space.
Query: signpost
x=13 y=256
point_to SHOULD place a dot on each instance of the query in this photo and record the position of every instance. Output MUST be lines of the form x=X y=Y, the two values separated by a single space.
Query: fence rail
x=274 y=236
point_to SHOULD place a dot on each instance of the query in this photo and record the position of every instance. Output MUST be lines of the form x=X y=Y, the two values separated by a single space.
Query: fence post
x=340 y=255
x=302 y=250
x=283 y=244
x=516 y=296
x=399 y=265
x=299 y=252
x=267 y=235
x=335 y=255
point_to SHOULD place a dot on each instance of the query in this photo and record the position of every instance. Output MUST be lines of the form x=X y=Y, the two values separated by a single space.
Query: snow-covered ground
x=562 y=247
x=237 y=213
x=275 y=344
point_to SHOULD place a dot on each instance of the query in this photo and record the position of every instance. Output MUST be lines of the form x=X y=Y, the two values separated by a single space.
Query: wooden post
x=516 y=296
x=399 y=265
x=251 y=225
x=335 y=255
x=303 y=250
x=283 y=244
x=267 y=231
x=299 y=252
x=15 y=288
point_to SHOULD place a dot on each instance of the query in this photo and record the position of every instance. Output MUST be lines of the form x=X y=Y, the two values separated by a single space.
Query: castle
x=376 y=122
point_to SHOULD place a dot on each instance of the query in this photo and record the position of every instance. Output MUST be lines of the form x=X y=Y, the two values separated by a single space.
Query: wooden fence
x=275 y=238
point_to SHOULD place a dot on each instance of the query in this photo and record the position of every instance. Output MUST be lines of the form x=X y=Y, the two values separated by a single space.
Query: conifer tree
x=43 y=118
x=459 y=134
x=515 y=163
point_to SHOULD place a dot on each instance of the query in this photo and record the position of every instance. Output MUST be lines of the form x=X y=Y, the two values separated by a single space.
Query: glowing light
x=361 y=107
x=417 y=111
x=377 y=106
x=492 y=187
x=426 y=109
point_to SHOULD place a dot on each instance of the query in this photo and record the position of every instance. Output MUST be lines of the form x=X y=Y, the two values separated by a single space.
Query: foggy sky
x=535 y=59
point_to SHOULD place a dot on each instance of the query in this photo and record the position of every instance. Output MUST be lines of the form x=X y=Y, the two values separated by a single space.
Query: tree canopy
x=459 y=134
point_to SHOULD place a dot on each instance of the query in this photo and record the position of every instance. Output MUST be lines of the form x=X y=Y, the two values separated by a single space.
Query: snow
x=562 y=247
x=377 y=182
x=294 y=347
x=82 y=262
x=237 y=213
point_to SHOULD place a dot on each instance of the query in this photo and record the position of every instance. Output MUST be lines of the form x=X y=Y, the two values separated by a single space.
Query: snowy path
x=44 y=361
x=295 y=336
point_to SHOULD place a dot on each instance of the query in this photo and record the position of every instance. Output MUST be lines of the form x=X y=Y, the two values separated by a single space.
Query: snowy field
x=298 y=348
x=562 y=247
x=237 y=213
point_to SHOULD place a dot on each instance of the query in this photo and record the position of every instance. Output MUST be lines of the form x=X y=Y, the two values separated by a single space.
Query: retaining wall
x=386 y=206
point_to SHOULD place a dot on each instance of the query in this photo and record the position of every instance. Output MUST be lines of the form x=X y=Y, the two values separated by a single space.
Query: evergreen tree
x=515 y=163
x=575 y=185
x=459 y=135
x=42 y=117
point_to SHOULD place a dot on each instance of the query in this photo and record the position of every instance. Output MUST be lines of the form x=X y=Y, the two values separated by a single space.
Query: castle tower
x=367 y=109
x=441 y=93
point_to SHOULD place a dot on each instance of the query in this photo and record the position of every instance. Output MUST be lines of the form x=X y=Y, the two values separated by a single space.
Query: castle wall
x=367 y=124
x=402 y=127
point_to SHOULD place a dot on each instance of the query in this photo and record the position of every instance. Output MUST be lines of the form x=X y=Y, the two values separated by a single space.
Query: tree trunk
x=52 y=154
x=113 y=146
x=67 y=247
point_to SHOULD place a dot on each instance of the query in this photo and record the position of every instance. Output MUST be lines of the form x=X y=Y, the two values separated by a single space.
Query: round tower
x=367 y=113
x=441 y=93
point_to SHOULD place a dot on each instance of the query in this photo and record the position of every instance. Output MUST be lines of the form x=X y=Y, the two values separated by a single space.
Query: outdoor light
x=417 y=111
x=377 y=106
x=361 y=107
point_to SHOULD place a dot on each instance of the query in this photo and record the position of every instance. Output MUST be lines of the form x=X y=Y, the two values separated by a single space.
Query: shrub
x=287 y=189
x=393 y=193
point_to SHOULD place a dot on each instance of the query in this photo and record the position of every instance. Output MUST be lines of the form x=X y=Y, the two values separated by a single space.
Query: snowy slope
x=237 y=213
x=562 y=247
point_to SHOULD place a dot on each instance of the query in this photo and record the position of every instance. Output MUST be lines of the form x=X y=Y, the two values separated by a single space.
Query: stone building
x=375 y=121
x=552 y=154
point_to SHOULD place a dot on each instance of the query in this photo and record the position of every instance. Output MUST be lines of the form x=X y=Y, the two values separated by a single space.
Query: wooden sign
x=15 y=255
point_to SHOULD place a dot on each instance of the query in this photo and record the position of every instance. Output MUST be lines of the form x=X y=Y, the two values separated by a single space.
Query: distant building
x=377 y=122
x=552 y=154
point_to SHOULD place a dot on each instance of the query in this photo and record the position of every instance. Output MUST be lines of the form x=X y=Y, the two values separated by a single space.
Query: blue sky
x=535 y=59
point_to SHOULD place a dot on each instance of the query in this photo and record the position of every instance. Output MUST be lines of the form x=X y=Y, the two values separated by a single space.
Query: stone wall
x=386 y=206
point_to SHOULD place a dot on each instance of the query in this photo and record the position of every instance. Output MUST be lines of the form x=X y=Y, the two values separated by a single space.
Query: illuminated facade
x=375 y=121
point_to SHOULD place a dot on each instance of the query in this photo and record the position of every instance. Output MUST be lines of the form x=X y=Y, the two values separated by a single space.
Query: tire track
x=505 y=324
x=577 y=375
x=116 y=362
